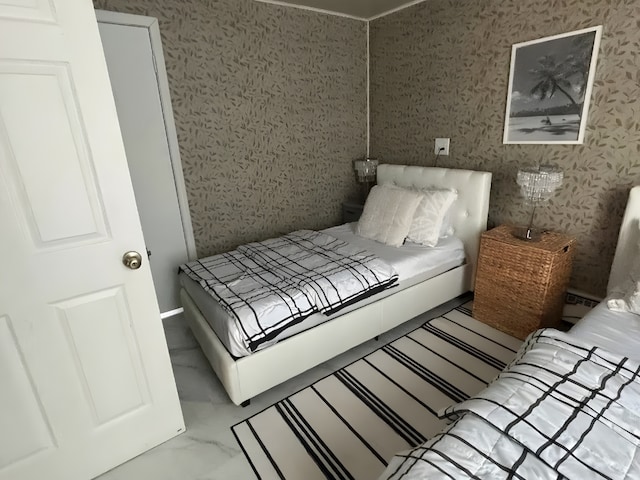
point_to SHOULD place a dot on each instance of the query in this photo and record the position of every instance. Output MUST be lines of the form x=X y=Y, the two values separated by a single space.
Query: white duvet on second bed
x=413 y=263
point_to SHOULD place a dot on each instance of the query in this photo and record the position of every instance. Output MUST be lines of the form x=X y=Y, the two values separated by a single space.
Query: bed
x=568 y=406
x=244 y=377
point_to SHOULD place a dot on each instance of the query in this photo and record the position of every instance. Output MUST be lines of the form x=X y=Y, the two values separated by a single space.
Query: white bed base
x=246 y=377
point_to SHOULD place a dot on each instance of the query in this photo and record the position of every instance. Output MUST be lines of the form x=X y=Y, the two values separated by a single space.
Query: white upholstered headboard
x=628 y=239
x=469 y=212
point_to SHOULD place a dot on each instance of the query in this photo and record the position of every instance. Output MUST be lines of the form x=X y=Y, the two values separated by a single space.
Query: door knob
x=132 y=260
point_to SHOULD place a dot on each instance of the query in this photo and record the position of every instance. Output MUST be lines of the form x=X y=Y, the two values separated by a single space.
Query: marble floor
x=208 y=450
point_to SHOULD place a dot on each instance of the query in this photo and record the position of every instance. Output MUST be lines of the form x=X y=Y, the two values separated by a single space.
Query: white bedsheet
x=617 y=332
x=413 y=263
x=409 y=260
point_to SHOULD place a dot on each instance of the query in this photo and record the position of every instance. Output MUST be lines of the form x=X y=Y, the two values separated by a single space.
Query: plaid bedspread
x=561 y=409
x=271 y=285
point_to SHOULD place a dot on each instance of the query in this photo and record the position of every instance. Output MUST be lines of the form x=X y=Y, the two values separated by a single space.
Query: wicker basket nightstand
x=520 y=285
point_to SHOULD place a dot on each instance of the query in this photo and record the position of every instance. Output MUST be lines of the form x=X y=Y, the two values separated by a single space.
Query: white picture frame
x=550 y=84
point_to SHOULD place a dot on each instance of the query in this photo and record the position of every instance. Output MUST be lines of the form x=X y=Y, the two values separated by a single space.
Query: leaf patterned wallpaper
x=270 y=109
x=441 y=69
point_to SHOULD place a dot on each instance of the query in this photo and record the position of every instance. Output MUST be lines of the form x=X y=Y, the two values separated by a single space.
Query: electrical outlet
x=442 y=146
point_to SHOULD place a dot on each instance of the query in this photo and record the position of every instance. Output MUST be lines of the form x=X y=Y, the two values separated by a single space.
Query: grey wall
x=441 y=69
x=270 y=109
x=270 y=106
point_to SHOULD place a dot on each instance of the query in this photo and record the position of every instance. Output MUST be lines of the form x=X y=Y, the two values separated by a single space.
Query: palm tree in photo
x=553 y=77
x=578 y=61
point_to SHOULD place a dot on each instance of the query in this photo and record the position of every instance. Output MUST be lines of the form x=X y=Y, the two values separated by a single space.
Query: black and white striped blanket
x=271 y=285
x=561 y=409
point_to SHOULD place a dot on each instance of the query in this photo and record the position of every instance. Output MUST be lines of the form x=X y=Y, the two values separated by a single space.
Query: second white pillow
x=429 y=216
x=626 y=297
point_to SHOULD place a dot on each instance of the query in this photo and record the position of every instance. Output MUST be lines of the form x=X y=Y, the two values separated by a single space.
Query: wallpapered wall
x=441 y=69
x=270 y=109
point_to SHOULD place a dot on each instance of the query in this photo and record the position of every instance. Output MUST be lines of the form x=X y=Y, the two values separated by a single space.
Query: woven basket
x=520 y=285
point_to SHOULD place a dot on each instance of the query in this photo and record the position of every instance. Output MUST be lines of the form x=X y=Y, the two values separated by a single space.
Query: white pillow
x=428 y=219
x=626 y=297
x=387 y=214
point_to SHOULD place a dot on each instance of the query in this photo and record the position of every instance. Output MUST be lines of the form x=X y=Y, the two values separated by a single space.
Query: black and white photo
x=550 y=85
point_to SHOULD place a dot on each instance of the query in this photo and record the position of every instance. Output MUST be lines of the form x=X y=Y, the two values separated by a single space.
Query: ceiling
x=364 y=9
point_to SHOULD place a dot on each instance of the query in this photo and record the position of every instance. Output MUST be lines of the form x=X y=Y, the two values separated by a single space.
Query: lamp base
x=528 y=234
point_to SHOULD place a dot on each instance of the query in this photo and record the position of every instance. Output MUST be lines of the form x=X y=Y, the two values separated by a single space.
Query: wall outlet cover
x=442 y=143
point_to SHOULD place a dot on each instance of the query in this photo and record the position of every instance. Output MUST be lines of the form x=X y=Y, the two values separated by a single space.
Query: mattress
x=617 y=332
x=414 y=263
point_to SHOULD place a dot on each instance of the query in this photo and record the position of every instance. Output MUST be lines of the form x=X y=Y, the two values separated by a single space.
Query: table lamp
x=537 y=186
x=366 y=174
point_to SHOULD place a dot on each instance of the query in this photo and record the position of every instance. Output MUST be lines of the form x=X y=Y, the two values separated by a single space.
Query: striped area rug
x=349 y=424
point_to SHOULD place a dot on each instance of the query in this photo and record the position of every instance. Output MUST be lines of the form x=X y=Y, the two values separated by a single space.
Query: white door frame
x=151 y=24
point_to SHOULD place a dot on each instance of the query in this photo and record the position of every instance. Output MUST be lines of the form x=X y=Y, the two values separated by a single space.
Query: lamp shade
x=366 y=170
x=538 y=184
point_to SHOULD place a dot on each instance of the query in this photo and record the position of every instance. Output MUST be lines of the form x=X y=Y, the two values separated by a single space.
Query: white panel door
x=85 y=377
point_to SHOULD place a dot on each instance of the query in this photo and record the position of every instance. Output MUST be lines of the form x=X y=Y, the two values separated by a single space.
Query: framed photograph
x=550 y=86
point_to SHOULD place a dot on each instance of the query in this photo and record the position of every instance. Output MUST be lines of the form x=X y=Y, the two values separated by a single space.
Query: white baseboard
x=171 y=313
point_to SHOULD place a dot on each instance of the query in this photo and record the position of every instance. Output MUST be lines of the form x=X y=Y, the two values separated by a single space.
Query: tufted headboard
x=628 y=240
x=469 y=212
